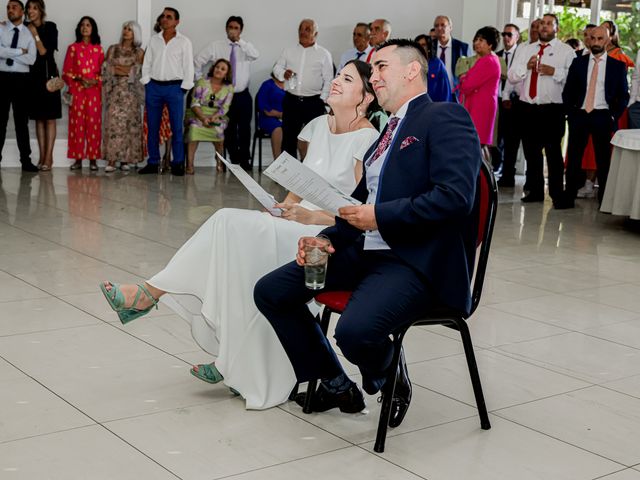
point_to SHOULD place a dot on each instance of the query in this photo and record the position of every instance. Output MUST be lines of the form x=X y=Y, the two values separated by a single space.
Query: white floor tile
x=12 y=288
x=507 y=451
x=505 y=381
x=572 y=354
x=223 y=439
x=596 y=419
x=80 y=454
x=628 y=474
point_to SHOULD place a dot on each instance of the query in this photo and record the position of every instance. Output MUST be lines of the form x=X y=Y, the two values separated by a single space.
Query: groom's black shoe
x=349 y=401
x=401 y=395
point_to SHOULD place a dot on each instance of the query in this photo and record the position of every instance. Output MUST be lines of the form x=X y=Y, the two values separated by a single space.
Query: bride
x=210 y=279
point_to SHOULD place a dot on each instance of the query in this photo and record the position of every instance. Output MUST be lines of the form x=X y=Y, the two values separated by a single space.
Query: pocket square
x=408 y=141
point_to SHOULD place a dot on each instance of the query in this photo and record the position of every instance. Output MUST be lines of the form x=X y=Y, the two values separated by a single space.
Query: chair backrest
x=256 y=113
x=487 y=208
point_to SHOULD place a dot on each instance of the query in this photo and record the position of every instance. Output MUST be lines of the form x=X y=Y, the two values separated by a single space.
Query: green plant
x=571 y=23
x=629 y=29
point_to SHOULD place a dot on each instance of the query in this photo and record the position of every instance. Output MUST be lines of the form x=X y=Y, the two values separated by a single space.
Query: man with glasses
x=508 y=121
x=167 y=73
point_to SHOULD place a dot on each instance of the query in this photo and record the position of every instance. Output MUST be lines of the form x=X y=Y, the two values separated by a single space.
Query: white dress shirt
x=372 y=238
x=352 y=54
x=599 y=103
x=245 y=54
x=447 y=59
x=169 y=61
x=313 y=67
x=558 y=55
x=635 y=83
x=21 y=61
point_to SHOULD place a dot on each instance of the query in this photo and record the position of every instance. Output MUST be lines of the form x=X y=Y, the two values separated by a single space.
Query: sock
x=338 y=384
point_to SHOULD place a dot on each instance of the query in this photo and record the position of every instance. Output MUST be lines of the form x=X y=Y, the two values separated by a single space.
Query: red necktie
x=533 y=85
x=384 y=142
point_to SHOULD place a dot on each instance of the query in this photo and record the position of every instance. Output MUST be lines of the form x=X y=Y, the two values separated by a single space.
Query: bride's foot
x=128 y=301
x=207 y=373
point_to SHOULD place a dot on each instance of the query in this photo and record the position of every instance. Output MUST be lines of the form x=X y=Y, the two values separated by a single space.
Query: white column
x=596 y=6
x=144 y=18
x=533 y=7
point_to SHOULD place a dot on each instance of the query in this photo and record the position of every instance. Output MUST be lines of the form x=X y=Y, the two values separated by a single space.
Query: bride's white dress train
x=210 y=279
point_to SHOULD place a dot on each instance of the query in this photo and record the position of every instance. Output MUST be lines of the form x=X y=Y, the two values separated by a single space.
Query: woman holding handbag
x=44 y=104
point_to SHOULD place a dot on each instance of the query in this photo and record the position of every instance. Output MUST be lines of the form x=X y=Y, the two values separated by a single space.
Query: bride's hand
x=296 y=213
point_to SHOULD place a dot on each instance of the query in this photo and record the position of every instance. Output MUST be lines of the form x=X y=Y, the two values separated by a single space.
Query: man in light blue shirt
x=17 y=53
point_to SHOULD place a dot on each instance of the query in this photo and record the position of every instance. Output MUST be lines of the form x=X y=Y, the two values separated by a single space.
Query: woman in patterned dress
x=81 y=72
x=124 y=97
x=207 y=115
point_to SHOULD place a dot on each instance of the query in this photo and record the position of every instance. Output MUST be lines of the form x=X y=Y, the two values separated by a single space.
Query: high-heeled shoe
x=220 y=167
x=115 y=297
x=207 y=372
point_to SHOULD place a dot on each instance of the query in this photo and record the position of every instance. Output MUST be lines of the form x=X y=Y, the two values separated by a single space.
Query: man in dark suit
x=449 y=49
x=409 y=247
x=595 y=95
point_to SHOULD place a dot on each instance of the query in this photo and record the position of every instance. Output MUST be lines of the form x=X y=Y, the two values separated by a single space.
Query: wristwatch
x=37 y=38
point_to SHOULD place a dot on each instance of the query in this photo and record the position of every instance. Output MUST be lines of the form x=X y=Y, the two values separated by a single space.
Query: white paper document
x=304 y=182
x=266 y=199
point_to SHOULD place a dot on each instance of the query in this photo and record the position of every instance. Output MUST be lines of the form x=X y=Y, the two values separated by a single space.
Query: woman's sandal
x=207 y=373
x=115 y=297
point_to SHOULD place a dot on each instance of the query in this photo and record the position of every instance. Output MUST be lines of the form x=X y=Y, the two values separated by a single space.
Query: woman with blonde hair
x=124 y=97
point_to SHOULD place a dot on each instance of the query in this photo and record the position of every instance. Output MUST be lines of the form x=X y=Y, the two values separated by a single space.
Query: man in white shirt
x=361 y=48
x=167 y=73
x=307 y=69
x=508 y=121
x=17 y=53
x=449 y=49
x=542 y=67
x=595 y=95
x=380 y=32
x=240 y=53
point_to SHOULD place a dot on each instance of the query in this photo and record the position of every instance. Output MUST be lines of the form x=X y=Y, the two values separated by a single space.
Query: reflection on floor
x=81 y=397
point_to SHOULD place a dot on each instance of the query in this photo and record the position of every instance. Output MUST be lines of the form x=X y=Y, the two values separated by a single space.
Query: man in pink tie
x=595 y=95
x=240 y=53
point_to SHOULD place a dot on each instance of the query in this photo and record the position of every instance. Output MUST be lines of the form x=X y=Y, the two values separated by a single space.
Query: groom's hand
x=360 y=216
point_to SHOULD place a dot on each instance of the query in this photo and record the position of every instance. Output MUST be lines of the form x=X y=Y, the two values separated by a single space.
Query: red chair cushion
x=336 y=301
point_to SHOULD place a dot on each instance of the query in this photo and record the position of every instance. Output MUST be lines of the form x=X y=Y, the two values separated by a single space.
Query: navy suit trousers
x=387 y=295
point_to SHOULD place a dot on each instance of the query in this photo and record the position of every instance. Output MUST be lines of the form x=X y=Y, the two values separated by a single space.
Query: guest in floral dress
x=81 y=72
x=124 y=97
x=207 y=115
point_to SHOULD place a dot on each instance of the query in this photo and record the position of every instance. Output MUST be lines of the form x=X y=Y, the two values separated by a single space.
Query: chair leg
x=253 y=149
x=473 y=372
x=294 y=392
x=387 y=395
x=260 y=154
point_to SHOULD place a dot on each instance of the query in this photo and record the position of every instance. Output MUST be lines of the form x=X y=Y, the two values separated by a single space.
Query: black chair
x=258 y=135
x=336 y=302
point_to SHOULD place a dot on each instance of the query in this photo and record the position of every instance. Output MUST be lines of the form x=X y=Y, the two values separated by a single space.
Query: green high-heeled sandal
x=115 y=297
x=207 y=373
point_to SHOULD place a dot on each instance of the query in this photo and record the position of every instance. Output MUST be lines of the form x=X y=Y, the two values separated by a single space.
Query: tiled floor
x=82 y=397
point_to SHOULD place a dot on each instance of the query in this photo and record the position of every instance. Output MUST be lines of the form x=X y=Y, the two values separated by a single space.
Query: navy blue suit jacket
x=426 y=197
x=616 y=87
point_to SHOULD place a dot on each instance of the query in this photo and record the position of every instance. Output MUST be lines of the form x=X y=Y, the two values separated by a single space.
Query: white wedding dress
x=210 y=279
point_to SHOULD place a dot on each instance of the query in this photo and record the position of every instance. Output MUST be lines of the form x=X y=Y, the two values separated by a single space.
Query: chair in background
x=258 y=135
x=336 y=302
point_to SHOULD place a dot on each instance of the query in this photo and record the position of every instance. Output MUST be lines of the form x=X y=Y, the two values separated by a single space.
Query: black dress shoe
x=29 y=167
x=401 y=395
x=246 y=166
x=349 y=401
x=177 y=170
x=506 y=182
x=149 y=168
x=530 y=198
x=564 y=204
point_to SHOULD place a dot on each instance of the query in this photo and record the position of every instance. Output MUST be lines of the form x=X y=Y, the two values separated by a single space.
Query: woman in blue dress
x=269 y=101
x=438 y=85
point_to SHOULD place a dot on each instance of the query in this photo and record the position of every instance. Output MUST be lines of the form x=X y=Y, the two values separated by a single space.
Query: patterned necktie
x=232 y=61
x=442 y=55
x=533 y=85
x=14 y=43
x=591 y=91
x=384 y=142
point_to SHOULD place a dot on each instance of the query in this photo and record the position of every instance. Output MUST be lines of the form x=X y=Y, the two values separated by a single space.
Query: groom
x=408 y=248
